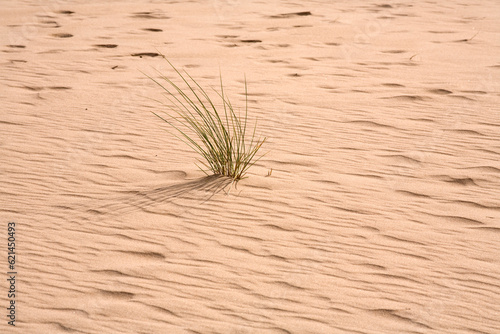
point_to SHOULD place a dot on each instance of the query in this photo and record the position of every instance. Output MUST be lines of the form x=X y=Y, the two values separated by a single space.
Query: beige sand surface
x=382 y=213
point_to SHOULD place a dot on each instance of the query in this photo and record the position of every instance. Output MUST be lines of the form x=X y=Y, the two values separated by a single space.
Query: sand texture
x=382 y=210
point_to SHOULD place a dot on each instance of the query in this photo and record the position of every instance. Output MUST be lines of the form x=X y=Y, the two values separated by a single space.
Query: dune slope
x=382 y=210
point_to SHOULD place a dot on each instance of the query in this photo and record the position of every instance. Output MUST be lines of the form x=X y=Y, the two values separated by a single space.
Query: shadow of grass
x=175 y=199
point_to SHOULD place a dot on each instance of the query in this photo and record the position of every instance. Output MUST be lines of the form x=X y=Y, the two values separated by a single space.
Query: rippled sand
x=382 y=212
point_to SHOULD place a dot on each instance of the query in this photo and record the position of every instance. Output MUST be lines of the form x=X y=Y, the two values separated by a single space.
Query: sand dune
x=382 y=212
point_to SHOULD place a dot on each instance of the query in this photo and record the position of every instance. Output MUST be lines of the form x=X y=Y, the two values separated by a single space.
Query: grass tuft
x=223 y=139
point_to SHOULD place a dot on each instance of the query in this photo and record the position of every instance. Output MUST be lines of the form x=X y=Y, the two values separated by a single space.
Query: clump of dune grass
x=226 y=144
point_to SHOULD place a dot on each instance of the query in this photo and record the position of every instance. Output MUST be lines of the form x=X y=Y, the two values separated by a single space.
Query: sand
x=382 y=210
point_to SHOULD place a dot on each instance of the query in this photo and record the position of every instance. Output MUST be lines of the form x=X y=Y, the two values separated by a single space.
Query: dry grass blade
x=219 y=135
